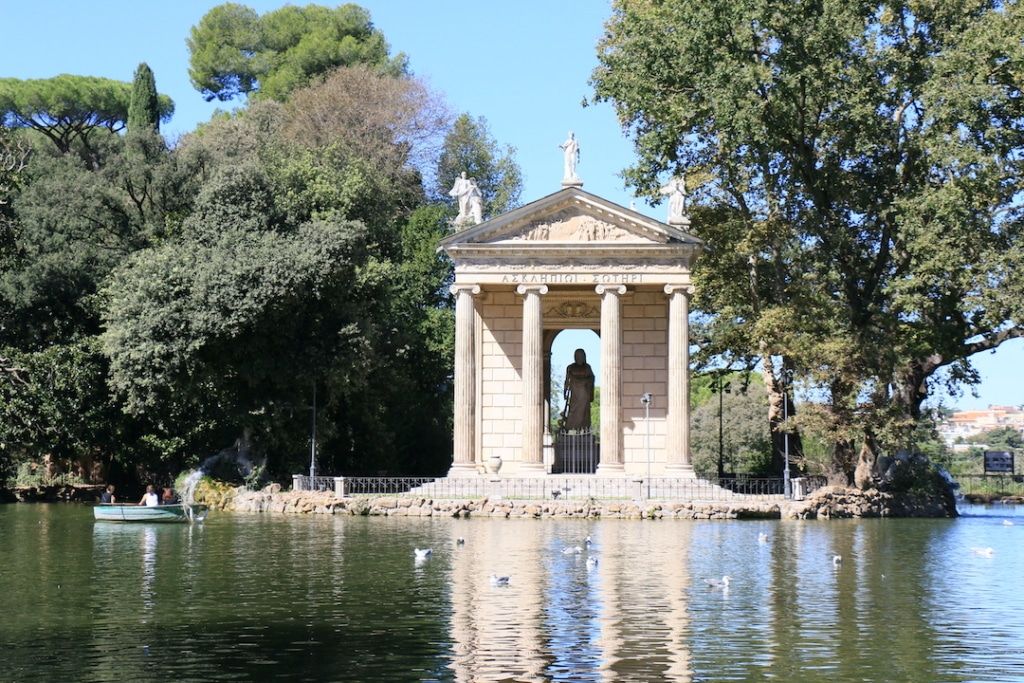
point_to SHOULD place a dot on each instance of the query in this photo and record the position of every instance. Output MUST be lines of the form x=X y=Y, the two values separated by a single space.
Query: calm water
x=311 y=598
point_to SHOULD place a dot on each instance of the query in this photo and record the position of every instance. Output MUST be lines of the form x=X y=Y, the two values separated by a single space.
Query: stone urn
x=494 y=465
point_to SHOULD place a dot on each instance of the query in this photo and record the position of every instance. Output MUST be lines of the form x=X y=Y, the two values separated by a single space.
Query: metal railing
x=561 y=487
x=384 y=486
x=303 y=482
x=576 y=452
x=991 y=484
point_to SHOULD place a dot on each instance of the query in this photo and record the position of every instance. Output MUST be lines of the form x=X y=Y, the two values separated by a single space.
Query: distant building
x=967 y=423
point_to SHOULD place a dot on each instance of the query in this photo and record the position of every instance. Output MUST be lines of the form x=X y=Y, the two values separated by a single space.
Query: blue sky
x=523 y=64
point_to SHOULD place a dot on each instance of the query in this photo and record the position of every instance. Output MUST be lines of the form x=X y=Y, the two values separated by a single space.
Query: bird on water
x=722 y=583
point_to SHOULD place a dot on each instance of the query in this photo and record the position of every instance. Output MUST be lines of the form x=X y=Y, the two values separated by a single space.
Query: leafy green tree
x=60 y=252
x=68 y=108
x=470 y=148
x=57 y=405
x=235 y=51
x=236 y=319
x=856 y=168
x=1000 y=438
x=144 y=105
x=746 y=440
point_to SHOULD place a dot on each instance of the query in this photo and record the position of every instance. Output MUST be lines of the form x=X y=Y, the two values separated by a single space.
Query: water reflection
x=337 y=598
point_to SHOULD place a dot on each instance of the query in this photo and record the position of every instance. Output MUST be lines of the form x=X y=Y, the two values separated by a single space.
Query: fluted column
x=678 y=443
x=464 y=461
x=611 y=378
x=532 y=459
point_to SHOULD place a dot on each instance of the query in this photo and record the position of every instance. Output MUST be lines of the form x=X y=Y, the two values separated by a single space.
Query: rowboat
x=176 y=512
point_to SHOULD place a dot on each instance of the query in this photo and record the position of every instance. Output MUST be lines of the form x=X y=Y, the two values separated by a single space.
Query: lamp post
x=646 y=401
x=722 y=388
x=312 y=442
x=787 y=491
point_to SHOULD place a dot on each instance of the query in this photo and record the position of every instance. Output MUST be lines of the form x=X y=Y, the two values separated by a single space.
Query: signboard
x=999 y=461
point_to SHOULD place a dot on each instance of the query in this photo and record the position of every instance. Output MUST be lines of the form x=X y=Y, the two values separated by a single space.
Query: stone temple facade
x=571 y=260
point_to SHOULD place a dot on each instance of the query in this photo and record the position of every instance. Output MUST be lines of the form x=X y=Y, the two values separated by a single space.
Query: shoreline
x=825 y=503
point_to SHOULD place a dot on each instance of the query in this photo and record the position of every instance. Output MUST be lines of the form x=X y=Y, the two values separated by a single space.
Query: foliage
x=470 y=148
x=236 y=316
x=999 y=439
x=14 y=153
x=745 y=439
x=857 y=169
x=234 y=51
x=60 y=408
x=68 y=109
x=61 y=251
x=144 y=105
x=175 y=298
x=30 y=474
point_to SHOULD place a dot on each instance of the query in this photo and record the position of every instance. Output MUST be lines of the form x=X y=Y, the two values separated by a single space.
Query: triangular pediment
x=570 y=217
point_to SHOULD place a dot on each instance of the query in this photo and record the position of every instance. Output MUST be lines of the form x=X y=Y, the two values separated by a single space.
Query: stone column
x=532 y=460
x=464 y=461
x=678 y=462
x=611 y=379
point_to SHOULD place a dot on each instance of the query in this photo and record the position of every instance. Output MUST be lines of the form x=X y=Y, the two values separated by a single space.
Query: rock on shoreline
x=827 y=503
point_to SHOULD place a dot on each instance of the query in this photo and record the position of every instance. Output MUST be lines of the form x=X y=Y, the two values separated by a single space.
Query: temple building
x=572 y=260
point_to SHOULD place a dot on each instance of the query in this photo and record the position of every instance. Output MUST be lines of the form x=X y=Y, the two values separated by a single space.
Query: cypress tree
x=143 y=108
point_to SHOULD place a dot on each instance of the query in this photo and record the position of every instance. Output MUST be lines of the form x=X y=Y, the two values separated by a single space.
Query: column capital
x=688 y=290
x=457 y=289
x=610 y=289
x=537 y=289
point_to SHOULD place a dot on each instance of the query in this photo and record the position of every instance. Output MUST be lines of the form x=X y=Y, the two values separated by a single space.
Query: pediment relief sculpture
x=572 y=310
x=570 y=226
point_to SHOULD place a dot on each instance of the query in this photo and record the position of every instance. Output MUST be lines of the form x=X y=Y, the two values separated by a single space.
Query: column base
x=531 y=469
x=463 y=469
x=680 y=471
x=614 y=469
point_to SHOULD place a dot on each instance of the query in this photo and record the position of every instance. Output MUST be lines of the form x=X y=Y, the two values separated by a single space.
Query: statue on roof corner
x=471 y=207
x=571 y=150
x=676 y=191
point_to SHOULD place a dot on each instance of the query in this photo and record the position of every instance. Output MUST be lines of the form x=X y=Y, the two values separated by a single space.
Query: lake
x=311 y=598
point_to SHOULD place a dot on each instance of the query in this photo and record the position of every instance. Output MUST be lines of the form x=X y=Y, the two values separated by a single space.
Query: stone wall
x=644 y=369
x=500 y=375
x=827 y=503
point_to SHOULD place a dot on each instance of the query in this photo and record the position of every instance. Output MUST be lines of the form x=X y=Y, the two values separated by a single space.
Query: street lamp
x=787 y=377
x=722 y=388
x=646 y=401
x=312 y=442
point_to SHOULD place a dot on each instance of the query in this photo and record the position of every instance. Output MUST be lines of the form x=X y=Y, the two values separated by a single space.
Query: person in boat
x=108 y=495
x=168 y=496
x=149 y=498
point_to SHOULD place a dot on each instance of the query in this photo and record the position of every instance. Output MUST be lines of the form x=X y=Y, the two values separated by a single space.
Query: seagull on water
x=499 y=580
x=591 y=564
x=569 y=550
x=837 y=560
x=460 y=541
x=722 y=583
x=587 y=542
x=983 y=552
x=422 y=554
x=762 y=538
x=1007 y=522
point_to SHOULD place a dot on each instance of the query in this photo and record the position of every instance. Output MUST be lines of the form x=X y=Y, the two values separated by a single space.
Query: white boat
x=175 y=512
